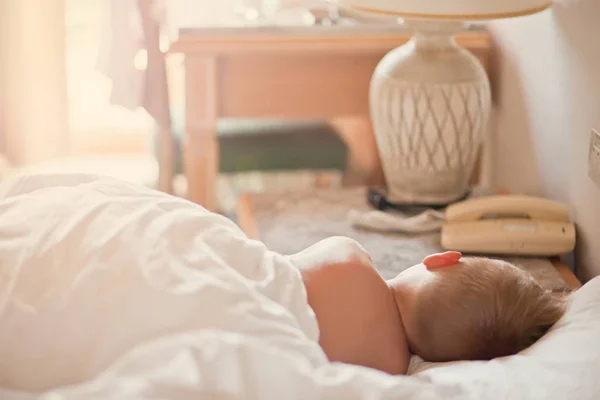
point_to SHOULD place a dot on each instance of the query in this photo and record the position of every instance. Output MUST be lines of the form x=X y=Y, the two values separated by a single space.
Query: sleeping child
x=447 y=308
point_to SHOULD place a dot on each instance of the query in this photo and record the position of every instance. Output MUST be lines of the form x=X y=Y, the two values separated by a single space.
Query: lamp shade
x=449 y=9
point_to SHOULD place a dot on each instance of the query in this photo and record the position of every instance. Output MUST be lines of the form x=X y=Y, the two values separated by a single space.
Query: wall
x=548 y=99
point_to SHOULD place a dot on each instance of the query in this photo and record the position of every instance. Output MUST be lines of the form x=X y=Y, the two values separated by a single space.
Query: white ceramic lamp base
x=430 y=103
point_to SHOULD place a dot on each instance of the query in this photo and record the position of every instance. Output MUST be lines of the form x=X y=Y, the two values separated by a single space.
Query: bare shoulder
x=339 y=268
x=336 y=255
x=357 y=316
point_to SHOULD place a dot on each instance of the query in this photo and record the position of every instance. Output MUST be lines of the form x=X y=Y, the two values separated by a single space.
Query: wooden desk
x=287 y=73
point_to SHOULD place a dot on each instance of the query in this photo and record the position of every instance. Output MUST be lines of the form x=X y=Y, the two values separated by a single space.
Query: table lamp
x=430 y=99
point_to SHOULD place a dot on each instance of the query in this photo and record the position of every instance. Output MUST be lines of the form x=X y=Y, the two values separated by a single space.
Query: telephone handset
x=509 y=224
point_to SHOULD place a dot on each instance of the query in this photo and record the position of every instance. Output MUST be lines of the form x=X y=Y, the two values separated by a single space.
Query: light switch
x=594 y=160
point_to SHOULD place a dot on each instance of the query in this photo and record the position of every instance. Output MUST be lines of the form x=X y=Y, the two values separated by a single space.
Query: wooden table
x=289 y=222
x=318 y=73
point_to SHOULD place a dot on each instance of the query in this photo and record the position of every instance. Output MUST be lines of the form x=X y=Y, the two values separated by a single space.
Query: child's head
x=475 y=309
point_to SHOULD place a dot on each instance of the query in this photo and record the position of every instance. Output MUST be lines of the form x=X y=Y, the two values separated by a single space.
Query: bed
x=104 y=295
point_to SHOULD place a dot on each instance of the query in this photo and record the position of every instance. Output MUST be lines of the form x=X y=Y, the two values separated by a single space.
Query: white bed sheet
x=104 y=295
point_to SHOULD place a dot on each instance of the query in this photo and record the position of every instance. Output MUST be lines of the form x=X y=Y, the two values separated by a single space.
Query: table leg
x=200 y=157
x=166 y=161
x=364 y=166
x=200 y=146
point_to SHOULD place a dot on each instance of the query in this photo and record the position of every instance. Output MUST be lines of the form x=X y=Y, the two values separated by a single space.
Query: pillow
x=564 y=364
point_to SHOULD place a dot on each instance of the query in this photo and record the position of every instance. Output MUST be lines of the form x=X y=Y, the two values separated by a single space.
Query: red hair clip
x=442 y=260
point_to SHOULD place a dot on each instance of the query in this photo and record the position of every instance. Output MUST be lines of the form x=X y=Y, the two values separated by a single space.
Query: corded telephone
x=509 y=225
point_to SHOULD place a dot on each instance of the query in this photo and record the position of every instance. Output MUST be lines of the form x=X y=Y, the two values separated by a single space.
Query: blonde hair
x=482 y=309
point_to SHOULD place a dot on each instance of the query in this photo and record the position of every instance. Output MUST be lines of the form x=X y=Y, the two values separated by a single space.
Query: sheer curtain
x=97 y=125
x=33 y=80
x=55 y=102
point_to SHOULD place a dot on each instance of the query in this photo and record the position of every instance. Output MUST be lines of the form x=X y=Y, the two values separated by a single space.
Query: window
x=96 y=126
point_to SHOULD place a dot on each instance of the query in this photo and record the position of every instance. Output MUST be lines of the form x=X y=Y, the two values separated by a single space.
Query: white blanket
x=113 y=291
